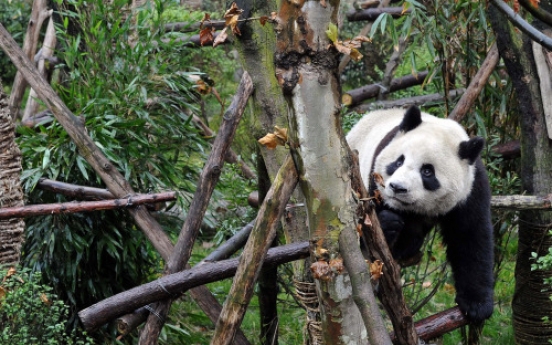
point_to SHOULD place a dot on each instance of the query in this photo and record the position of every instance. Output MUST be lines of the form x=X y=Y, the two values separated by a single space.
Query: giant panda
x=426 y=171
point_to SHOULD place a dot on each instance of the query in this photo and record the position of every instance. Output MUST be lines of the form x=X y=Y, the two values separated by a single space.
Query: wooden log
x=255 y=252
x=509 y=150
x=234 y=243
x=356 y=96
x=476 y=85
x=84 y=206
x=190 y=27
x=175 y=284
x=425 y=101
x=39 y=14
x=73 y=190
x=206 y=185
x=372 y=14
x=45 y=53
x=521 y=202
x=231 y=157
x=438 y=324
x=207 y=302
x=390 y=293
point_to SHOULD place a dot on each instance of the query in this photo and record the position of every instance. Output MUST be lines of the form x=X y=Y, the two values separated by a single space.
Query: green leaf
x=332 y=32
x=46 y=159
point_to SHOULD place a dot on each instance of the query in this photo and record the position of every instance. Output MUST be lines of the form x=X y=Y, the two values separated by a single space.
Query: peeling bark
x=11 y=195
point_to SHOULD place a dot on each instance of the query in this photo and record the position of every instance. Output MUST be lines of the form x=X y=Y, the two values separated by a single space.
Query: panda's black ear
x=471 y=149
x=412 y=119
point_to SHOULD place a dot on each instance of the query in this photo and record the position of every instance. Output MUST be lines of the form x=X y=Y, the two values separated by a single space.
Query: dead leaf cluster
x=278 y=137
x=231 y=20
x=376 y=269
x=349 y=47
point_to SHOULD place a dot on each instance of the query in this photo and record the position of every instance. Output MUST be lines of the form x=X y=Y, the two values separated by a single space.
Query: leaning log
x=84 y=206
x=173 y=285
x=356 y=96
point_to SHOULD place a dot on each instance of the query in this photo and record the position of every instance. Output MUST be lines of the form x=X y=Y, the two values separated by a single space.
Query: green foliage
x=13 y=16
x=30 y=314
x=544 y=262
x=133 y=92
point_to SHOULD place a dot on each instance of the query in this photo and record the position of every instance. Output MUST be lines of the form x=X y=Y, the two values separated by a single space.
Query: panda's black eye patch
x=391 y=168
x=430 y=181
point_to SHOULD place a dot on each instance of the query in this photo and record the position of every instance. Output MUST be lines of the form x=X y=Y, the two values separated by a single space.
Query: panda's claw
x=391 y=224
x=476 y=312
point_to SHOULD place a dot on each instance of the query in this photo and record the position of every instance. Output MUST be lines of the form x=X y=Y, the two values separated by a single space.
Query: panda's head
x=428 y=167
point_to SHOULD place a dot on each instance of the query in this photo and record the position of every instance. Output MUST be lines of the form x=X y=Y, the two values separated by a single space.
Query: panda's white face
x=422 y=169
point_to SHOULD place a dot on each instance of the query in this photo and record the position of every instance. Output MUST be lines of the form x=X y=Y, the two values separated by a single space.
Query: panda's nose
x=397 y=188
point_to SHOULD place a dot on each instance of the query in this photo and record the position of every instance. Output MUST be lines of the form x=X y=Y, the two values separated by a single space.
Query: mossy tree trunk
x=256 y=46
x=530 y=302
x=306 y=67
x=11 y=230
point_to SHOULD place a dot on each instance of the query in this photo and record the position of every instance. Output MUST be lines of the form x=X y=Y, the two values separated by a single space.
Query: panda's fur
x=430 y=173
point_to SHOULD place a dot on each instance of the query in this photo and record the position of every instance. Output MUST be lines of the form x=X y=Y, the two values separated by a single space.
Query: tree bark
x=530 y=302
x=307 y=71
x=175 y=284
x=11 y=194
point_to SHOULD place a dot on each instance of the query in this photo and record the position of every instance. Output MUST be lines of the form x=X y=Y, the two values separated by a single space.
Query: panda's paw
x=391 y=224
x=475 y=311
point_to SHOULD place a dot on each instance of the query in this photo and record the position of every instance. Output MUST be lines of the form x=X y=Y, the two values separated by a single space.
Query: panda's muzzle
x=398 y=188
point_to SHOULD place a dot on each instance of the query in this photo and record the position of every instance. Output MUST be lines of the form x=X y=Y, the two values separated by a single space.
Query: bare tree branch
x=521 y=24
x=476 y=85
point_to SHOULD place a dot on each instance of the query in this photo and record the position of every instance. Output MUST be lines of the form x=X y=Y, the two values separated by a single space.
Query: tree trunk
x=307 y=72
x=11 y=195
x=270 y=109
x=531 y=302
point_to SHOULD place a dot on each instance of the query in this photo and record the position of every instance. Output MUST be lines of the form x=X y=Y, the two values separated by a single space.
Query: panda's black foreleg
x=467 y=232
x=391 y=224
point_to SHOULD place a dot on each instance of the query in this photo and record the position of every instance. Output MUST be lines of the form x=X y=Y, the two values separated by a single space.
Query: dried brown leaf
x=321 y=270
x=376 y=269
x=221 y=38
x=336 y=265
x=205 y=36
x=263 y=20
x=270 y=141
x=378 y=179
